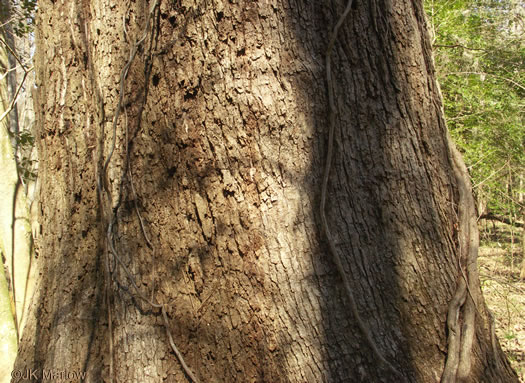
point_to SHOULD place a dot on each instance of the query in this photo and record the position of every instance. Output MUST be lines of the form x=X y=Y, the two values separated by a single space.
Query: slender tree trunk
x=522 y=272
x=186 y=171
x=8 y=35
x=522 y=201
x=15 y=235
x=8 y=334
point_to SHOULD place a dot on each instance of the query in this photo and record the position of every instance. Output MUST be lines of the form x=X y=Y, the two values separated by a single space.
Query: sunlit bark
x=204 y=192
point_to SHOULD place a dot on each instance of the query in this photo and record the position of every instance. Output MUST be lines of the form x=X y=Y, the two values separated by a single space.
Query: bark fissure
x=213 y=194
x=109 y=210
x=324 y=187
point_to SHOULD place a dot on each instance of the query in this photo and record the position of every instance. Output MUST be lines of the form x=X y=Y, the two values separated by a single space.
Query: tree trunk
x=8 y=330
x=521 y=201
x=182 y=150
x=18 y=271
x=522 y=272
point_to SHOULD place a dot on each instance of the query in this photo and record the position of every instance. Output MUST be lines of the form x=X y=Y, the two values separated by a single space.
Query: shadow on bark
x=225 y=156
x=211 y=163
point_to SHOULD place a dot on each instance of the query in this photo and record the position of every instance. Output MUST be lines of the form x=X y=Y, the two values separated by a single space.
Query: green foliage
x=24 y=143
x=26 y=165
x=26 y=170
x=480 y=58
x=20 y=14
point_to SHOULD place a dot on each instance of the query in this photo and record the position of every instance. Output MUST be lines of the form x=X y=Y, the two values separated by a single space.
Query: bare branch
x=458 y=46
x=489 y=74
x=26 y=72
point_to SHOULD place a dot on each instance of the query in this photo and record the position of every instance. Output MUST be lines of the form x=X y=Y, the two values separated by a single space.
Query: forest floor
x=500 y=260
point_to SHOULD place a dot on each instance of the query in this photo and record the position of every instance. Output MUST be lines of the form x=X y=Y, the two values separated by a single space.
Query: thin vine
x=110 y=211
x=324 y=188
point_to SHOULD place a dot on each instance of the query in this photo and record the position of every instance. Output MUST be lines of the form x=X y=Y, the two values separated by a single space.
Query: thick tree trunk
x=205 y=196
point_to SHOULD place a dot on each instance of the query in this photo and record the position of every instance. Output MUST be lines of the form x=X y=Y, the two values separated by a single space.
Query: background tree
x=17 y=173
x=7 y=324
x=186 y=163
x=480 y=55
